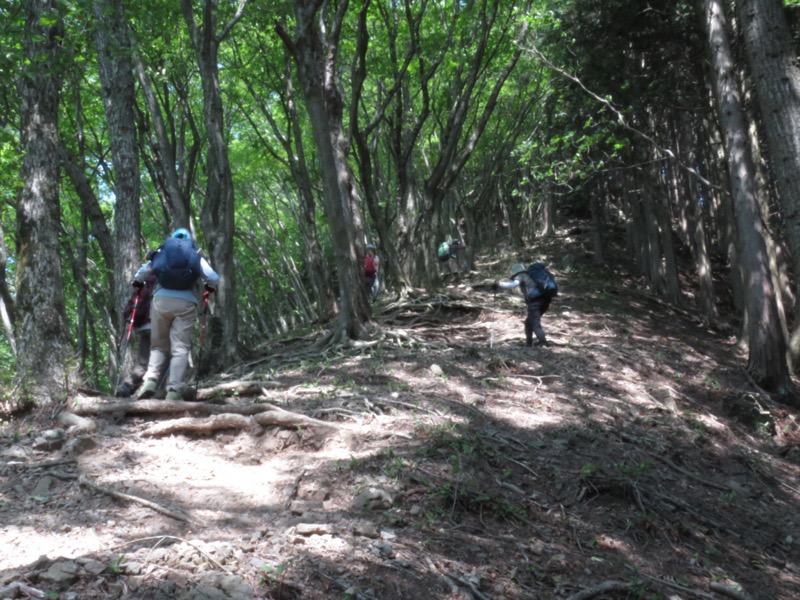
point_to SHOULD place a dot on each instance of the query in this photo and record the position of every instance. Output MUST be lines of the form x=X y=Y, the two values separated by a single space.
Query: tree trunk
x=767 y=347
x=695 y=221
x=42 y=335
x=217 y=213
x=315 y=58
x=772 y=57
x=118 y=92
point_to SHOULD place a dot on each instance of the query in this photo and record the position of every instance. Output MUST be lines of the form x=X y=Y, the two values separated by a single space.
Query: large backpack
x=444 y=252
x=544 y=281
x=177 y=264
x=145 y=294
x=369 y=266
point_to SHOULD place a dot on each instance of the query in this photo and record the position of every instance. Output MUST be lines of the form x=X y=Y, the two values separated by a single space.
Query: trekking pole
x=491 y=326
x=206 y=293
x=126 y=341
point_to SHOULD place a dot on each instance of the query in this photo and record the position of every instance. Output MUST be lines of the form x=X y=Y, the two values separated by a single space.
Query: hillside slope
x=631 y=459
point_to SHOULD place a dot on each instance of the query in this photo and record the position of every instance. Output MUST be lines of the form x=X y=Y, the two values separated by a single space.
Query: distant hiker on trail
x=372 y=265
x=178 y=265
x=138 y=309
x=451 y=253
x=538 y=287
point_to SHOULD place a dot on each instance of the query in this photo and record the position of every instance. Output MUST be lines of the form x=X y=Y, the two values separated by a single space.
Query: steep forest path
x=631 y=459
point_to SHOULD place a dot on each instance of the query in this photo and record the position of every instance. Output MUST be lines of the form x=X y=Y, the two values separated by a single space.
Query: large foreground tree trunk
x=767 y=346
x=776 y=75
x=42 y=336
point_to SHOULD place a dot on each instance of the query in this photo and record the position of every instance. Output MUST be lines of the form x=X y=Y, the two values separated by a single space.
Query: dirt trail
x=632 y=459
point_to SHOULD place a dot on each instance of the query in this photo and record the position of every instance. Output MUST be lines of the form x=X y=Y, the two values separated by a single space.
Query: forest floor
x=633 y=458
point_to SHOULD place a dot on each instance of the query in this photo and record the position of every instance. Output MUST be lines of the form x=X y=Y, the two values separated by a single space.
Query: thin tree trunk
x=118 y=92
x=217 y=213
x=170 y=188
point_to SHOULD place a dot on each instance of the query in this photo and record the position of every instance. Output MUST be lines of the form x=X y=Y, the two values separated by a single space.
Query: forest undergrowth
x=633 y=458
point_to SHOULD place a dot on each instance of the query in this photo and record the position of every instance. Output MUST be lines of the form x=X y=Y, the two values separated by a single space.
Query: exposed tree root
x=272 y=416
x=241 y=388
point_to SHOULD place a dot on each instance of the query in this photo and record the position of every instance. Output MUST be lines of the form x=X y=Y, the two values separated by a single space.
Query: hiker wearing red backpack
x=179 y=267
x=371 y=265
x=538 y=287
x=137 y=316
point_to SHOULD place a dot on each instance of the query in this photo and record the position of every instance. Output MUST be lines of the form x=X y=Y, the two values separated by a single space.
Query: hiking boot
x=123 y=391
x=174 y=394
x=542 y=344
x=148 y=389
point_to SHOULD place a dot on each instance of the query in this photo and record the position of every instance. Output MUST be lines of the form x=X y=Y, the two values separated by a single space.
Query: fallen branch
x=83 y=480
x=90 y=406
x=42 y=465
x=464 y=581
x=31 y=592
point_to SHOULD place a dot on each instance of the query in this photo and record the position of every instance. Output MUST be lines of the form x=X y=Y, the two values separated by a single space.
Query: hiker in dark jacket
x=451 y=254
x=173 y=314
x=537 y=305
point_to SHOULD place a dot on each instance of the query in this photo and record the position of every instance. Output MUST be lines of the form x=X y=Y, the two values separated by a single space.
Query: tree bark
x=217 y=213
x=772 y=58
x=767 y=347
x=118 y=92
x=314 y=51
x=41 y=326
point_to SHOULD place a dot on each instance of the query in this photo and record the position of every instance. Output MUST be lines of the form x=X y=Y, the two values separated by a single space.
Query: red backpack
x=142 y=316
x=369 y=266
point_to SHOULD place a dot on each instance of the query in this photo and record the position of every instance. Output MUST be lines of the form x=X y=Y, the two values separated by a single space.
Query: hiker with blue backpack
x=538 y=287
x=179 y=266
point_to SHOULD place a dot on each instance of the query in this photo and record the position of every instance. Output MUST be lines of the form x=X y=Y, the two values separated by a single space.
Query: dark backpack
x=145 y=294
x=546 y=284
x=177 y=264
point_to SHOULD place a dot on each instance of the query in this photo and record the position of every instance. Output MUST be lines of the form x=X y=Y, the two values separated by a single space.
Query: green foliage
x=274 y=574
x=115 y=567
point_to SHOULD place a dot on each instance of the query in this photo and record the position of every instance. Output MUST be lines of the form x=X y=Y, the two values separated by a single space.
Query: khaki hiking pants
x=173 y=321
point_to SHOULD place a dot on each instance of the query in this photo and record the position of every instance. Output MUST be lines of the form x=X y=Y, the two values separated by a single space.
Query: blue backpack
x=546 y=284
x=177 y=264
